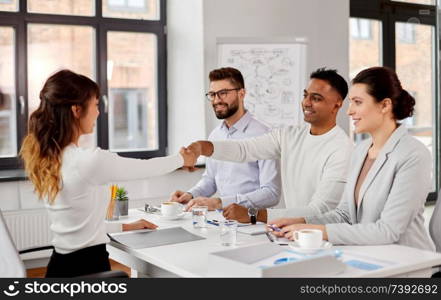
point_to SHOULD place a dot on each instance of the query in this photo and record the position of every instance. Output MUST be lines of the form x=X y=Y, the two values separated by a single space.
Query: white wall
x=185 y=72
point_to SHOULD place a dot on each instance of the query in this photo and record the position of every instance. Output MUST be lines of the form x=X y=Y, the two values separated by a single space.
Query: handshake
x=191 y=153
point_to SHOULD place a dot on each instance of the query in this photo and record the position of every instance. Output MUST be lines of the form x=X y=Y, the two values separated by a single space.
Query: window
x=405 y=32
x=62 y=7
x=415 y=68
x=133 y=93
x=8 y=5
x=358 y=60
x=407 y=44
x=360 y=28
x=125 y=57
x=8 y=131
x=45 y=41
x=131 y=9
x=129 y=130
x=126 y=5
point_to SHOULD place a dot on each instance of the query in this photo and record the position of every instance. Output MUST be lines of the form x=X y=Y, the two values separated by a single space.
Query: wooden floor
x=40 y=272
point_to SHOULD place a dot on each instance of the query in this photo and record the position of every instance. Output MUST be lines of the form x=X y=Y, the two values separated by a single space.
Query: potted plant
x=123 y=201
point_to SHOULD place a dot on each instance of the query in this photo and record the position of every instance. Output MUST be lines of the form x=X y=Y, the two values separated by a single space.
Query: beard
x=230 y=110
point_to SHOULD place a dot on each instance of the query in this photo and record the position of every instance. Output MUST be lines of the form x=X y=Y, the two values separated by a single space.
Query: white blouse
x=78 y=213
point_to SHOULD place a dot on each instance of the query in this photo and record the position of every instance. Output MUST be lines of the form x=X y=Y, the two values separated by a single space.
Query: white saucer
x=179 y=216
x=295 y=246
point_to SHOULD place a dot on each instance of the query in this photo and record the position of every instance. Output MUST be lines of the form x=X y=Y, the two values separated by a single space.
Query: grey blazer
x=391 y=199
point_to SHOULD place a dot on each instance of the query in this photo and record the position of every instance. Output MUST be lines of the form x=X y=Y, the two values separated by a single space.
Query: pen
x=284 y=260
x=269 y=236
x=213 y=222
x=274 y=227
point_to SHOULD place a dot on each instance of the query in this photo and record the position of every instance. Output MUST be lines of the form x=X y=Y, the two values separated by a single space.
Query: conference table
x=191 y=259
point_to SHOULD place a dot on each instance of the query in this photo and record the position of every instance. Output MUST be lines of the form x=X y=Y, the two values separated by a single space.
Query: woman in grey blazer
x=389 y=177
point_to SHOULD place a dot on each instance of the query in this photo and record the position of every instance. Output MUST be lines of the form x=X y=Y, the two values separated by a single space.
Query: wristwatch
x=252 y=212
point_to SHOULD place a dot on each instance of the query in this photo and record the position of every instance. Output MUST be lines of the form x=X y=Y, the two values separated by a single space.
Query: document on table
x=271 y=259
x=360 y=263
x=287 y=255
x=252 y=229
x=154 y=238
x=356 y=262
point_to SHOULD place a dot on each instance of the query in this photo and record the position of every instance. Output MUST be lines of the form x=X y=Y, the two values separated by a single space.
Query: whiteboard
x=274 y=74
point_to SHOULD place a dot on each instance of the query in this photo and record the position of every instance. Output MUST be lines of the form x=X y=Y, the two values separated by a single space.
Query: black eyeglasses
x=222 y=94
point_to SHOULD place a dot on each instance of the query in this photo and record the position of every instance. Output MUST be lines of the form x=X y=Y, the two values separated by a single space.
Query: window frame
x=19 y=21
x=388 y=13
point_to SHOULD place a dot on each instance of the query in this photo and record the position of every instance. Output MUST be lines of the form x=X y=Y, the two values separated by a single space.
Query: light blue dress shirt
x=253 y=184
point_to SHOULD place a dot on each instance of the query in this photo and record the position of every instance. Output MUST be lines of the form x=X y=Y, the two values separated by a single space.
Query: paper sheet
x=288 y=255
x=359 y=263
x=252 y=229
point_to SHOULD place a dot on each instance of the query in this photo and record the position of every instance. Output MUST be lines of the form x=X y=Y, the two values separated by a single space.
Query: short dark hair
x=232 y=74
x=383 y=82
x=333 y=78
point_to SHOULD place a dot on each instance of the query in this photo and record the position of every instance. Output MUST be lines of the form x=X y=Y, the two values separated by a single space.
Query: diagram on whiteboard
x=274 y=79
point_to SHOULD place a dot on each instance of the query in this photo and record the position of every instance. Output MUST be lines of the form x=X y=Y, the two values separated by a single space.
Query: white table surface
x=190 y=259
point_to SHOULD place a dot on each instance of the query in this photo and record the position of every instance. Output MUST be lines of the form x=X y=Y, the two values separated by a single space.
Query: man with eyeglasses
x=254 y=184
x=314 y=156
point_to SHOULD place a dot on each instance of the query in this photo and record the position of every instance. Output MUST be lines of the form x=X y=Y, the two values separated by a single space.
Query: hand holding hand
x=181 y=197
x=140 y=224
x=195 y=148
x=205 y=148
x=189 y=157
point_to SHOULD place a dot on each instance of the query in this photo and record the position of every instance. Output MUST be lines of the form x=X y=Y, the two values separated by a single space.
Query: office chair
x=11 y=264
x=435 y=227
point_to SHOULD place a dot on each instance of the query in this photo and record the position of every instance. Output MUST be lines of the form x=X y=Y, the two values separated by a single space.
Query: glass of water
x=228 y=232
x=199 y=214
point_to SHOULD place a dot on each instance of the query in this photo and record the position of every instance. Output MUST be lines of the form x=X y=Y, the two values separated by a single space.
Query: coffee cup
x=309 y=238
x=171 y=209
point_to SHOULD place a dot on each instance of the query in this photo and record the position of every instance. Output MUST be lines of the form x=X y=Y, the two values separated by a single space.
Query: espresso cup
x=171 y=209
x=309 y=238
